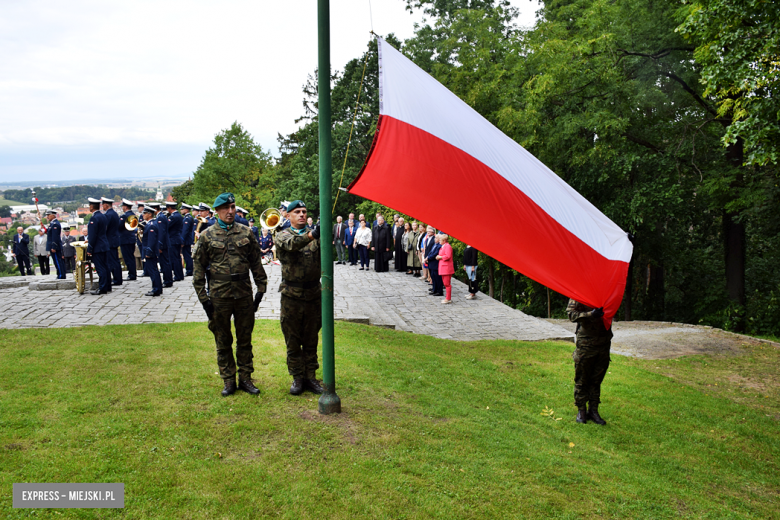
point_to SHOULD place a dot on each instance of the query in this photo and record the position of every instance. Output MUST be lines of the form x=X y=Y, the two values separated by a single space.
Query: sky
x=107 y=89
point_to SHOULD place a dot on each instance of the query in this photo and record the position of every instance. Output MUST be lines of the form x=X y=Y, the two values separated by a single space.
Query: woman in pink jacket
x=446 y=266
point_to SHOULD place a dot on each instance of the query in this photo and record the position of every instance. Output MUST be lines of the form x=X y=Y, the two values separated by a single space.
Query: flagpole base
x=329 y=403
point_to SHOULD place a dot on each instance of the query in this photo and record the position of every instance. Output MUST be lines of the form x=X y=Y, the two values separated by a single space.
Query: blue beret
x=225 y=198
x=295 y=204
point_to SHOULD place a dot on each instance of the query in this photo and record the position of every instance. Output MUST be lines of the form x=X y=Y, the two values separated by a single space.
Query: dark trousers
x=363 y=250
x=154 y=275
x=339 y=250
x=128 y=253
x=114 y=266
x=174 y=257
x=101 y=266
x=59 y=265
x=43 y=263
x=70 y=263
x=186 y=252
x=590 y=367
x=301 y=322
x=438 y=284
x=353 y=255
x=24 y=261
x=165 y=267
x=242 y=311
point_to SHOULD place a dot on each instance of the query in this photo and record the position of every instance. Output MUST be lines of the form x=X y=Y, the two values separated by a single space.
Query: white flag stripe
x=411 y=95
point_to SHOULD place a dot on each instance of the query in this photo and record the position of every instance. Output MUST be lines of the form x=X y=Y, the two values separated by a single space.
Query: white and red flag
x=436 y=158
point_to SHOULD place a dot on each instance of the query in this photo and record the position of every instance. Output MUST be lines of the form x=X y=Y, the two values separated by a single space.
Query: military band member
x=138 y=243
x=127 y=240
x=187 y=238
x=150 y=250
x=112 y=234
x=298 y=250
x=54 y=243
x=164 y=243
x=174 y=236
x=230 y=252
x=253 y=228
x=283 y=211
x=591 y=359
x=97 y=246
x=241 y=216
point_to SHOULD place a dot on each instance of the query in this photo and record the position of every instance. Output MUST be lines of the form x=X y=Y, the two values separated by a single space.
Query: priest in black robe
x=381 y=245
x=400 y=257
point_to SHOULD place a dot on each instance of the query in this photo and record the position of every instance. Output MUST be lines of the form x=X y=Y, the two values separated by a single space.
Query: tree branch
x=644 y=143
x=660 y=54
x=689 y=90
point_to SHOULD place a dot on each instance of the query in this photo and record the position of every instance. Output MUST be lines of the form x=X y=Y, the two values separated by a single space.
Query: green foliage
x=78 y=194
x=5 y=211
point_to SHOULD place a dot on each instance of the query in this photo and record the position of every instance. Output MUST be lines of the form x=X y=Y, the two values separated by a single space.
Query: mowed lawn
x=431 y=429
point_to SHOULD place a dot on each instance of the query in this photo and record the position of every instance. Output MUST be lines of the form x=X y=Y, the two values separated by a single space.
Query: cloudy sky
x=108 y=89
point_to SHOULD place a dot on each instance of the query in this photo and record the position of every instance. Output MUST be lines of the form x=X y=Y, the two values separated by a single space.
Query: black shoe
x=116 y=283
x=178 y=279
x=360 y=269
x=593 y=415
x=168 y=285
x=129 y=279
x=97 y=292
x=313 y=386
x=230 y=387
x=582 y=415
x=152 y=293
x=438 y=294
x=297 y=386
x=247 y=386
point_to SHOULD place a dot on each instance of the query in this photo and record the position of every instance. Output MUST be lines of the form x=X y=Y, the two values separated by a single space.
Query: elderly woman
x=266 y=246
x=412 y=258
x=446 y=266
x=362 y=241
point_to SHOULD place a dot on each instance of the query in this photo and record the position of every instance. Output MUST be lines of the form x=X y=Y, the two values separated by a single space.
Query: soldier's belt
x=233 y=277
x=302 y=285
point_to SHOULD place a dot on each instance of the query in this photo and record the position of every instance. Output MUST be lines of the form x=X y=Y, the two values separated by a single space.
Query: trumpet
x=201 y=222
x=131 y=224
x=271 y=219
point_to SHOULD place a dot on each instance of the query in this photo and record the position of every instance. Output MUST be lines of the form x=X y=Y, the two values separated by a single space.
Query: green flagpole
x=329 y=402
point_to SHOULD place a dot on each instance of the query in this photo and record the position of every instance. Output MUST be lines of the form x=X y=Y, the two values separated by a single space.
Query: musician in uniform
x=97 y=246
x=230 y=252
x=150 y=249
x=112 y=234
x=138 y=237
x=241 y=216
x=298 y=250
x=127 y=240
x=187 y=237
x=283 y=211
x=54 y=243
x=163 y=246
x=174 y=236
x=254 y=229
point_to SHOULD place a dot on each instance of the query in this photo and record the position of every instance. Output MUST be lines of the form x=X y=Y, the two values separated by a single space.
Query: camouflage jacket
x=224 y=253
x=590 y=331
x=300 y=259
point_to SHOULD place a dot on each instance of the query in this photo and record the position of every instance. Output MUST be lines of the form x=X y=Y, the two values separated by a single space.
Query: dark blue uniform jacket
x=96 y=234
x=54 y=237
x=112 y=228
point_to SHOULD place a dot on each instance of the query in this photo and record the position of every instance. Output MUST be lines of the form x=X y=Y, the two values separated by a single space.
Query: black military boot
x=247 y=386
x=230 y=387
x=313 y=386
x=593 y=414
x=582 y=415
x=297 y=386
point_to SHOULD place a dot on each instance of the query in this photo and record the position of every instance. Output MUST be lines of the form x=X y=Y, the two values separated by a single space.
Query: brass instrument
x=131 y=224
x=271 y=219
x=202 y=221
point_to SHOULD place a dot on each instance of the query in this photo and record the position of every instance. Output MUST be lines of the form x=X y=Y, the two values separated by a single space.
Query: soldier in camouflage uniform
x=298 y=250
x=230 y=252
x=591 y=359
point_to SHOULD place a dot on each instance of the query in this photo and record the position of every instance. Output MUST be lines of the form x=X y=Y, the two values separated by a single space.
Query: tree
x=5 y=211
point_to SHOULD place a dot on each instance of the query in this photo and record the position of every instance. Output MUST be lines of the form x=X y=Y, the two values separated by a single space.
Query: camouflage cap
x=225 y=198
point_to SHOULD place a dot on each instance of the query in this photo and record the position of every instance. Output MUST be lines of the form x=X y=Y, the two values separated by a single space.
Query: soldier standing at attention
x=164 y=243
x=127 y=240
x=54 y=243
x=298 y=250
x=187 y=235
x=150 y=250
x=230 y=252
x=175 y=222
x=112 y=234
x=591 y=359
x=97 y=247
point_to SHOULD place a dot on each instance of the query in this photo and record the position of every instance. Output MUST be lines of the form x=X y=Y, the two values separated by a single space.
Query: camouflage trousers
x=590 y=366
x=242 y=311
x=301 y=322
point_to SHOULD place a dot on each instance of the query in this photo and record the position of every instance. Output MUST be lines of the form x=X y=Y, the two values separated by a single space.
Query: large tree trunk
x=734 y=246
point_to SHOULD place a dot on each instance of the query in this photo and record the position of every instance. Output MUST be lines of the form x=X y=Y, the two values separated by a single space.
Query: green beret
x=225 y=198
x=295 y=204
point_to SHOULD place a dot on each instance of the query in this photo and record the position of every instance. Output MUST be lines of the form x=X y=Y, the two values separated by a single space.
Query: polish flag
x=437 y=159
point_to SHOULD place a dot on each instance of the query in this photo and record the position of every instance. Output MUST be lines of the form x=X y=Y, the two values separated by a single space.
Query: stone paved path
x=383 y=299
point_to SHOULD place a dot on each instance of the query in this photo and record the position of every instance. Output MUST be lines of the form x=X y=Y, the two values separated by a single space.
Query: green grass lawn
x=6 y=202
x=430 y=429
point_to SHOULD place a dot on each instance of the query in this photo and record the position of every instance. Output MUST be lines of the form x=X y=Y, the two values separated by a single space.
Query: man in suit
x=54 y=243
x=40 y=251
x=150 y=251
x=21 y=251
x=112 y=234
x=97 y=246
x=437 y=288
x=400 y=254
x=425 y=246
x=127 y=240
x=339 y=232
x=163 y=245
x=187 y=238
x=349 y=241
x=175 y=224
